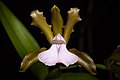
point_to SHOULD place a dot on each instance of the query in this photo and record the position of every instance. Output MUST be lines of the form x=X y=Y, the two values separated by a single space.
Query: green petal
x=73 y=18
x=85 y=60
x=56 y=20
x=30 y=59
x=21 y=39
x=40 y=22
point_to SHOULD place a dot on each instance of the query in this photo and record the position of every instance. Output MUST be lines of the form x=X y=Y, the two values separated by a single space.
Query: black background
x=101 y=20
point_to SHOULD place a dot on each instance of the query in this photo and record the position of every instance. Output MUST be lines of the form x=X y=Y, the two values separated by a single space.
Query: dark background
x=98 y=33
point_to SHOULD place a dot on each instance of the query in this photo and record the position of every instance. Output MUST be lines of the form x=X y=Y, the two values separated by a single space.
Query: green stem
x=74 y=66
x=101 y=66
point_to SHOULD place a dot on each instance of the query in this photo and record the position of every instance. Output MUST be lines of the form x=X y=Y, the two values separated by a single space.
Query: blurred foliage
x=113 y=64
x=22 y=40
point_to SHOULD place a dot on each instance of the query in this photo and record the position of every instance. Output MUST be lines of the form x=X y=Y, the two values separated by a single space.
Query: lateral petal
x=85 y=60
x=30 y=59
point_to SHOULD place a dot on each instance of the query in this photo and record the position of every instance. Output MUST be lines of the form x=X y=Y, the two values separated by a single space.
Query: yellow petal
x=56 y=20
x=40 y=22
x=30 y=59
x=73 y=18
x=85 y=60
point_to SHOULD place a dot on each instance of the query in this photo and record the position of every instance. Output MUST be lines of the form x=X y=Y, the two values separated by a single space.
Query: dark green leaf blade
x=76 y=76
x=22 y=40
x=19 y=35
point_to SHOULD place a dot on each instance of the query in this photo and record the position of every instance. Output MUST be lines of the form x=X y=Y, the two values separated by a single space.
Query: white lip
x=57 y=53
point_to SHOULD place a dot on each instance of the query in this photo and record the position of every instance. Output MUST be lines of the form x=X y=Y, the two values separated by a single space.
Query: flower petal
x=73 y=18
x=85 y=60
x=58 y=39
x=56 y=20
x=49 y=57
x=30 y=59
x=39 y=21
x=66 y=57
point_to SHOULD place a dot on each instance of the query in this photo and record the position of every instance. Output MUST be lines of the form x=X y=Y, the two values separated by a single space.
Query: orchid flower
x=57 y=53
x=58 y=37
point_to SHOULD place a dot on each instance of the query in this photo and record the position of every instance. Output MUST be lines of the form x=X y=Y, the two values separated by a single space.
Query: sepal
x=30 y=59
x=73 y=18
x=85 y=61
x=39 y=21
x=56 y=20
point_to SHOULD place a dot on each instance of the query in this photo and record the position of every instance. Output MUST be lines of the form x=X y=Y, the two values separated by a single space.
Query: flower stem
x=101 y=66
x=74 y=66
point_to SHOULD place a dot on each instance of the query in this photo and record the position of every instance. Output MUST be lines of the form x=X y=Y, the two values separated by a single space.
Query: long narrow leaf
x=76 y=76
x=22 y=40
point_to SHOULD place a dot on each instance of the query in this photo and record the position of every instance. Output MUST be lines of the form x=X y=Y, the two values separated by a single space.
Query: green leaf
x=22 y=40
x=76 y=76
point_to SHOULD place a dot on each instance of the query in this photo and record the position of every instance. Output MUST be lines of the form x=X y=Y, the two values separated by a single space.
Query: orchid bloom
x=58 y=36
x=57 y=53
